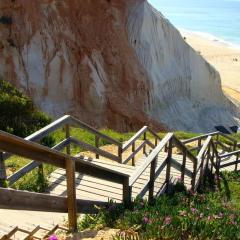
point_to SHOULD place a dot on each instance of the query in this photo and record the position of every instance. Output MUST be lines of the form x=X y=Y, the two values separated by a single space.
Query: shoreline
x=210 y=37
x=222 y=55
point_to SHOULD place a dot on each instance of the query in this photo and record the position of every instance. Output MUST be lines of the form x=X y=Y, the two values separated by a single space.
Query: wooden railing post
x=127 y=192
x=144 y=139
x=68 y=149
x=237 y=158
x=97 y=145
x=3 y=174
x=169 y=158
x=217 y=139
x=199 y=145
x=133 y=150
x=183 y=165
x=120 y=154
x=152 y=180
x=71 y=195
x=194 y=175
x=156 y=141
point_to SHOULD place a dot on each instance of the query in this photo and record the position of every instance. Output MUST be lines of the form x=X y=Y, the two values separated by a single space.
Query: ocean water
x=220 y=18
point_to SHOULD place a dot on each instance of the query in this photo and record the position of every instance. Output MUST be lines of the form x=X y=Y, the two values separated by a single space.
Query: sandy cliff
x=114 y=63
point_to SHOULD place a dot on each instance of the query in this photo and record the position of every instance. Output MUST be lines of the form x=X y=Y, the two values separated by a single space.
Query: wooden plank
x=22 y=200
x=93 y=149
x=150 y=158
x=134 y=138
x=73 y=121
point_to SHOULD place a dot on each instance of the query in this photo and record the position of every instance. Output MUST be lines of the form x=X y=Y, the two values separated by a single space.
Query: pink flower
x=53 y=237
x=167 y=220
x=194 y=210
x=145 y=220
x=233 y=222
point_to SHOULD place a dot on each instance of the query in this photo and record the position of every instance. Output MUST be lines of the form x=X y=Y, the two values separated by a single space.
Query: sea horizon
x=213 y=19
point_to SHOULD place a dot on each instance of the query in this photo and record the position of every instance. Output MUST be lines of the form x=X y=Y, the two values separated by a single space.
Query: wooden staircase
x=144 y=166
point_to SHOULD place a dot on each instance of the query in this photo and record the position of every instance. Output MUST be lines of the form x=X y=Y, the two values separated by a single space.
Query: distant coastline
x=219 y=18
x=224 y=56
x=210 y=37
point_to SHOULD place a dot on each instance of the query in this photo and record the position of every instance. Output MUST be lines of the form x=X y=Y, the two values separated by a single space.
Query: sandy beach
x=223 y=56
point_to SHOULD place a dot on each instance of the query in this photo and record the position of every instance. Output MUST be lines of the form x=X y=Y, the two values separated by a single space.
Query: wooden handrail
x=180 y=145
x=204 y=148
x=75 y=122
x=199 y=137
x=134 y=138
x=229 y=154
x=32 y=150
x=33 y=164
x=150 y=158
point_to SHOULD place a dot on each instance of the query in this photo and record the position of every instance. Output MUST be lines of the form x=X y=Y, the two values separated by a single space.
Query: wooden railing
x=42 y=154
x=230 y=143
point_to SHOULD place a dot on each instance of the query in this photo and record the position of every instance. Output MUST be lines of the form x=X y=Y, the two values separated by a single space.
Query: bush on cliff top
x=18 y=114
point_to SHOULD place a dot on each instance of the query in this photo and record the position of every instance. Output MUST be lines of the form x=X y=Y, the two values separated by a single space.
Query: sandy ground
x=223 y=56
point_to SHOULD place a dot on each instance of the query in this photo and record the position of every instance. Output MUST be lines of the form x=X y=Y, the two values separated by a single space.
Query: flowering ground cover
x=182 y=215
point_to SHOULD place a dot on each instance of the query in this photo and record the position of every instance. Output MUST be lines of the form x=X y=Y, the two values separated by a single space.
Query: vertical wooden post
x=194 y=176
x=3 y=174
x=127 y=192
x=144 y=139
x=217 y=139
x=133 y=150
x=169 y=158
x=71 y=195
x=237 y=157
x=199 y=145
x=97 y=145
x=68 y=149
x=201 y=169
x=152 y=180
x=183 y=165
x=166 y=148
x=120 y=154
x=156 y=141
x=236 y=166
x=207 y=164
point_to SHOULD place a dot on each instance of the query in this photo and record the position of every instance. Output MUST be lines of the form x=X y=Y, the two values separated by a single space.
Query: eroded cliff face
x=186 y=90
x=113 y=63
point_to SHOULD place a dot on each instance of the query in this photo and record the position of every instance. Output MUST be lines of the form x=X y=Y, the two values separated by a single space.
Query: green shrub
x=18 y=114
